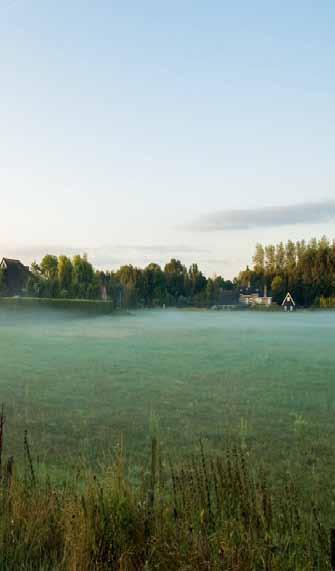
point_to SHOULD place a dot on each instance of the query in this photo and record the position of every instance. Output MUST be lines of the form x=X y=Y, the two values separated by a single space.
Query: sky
x=137 y=131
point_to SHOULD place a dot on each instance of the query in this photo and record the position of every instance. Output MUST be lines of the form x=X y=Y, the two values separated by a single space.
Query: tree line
x=305 y=269
x=129 y=286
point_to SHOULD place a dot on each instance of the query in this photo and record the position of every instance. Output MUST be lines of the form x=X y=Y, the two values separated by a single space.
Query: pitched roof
x=288 y=299
x=12 y=263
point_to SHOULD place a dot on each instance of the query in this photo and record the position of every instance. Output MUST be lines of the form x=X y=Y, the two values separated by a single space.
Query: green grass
x=263 y=380
x=215 y=513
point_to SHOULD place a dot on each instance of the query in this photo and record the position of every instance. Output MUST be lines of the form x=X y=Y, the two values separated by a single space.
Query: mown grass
x=206 y=512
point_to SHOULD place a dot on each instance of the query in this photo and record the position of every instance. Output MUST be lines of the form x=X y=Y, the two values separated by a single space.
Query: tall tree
x=83 y=276
x=270 y=261
x=154 y=285
x=175 y=273
x=259 y=259
x=280 y=258
x=65 y=271
x=197 y=281
x=49 y=266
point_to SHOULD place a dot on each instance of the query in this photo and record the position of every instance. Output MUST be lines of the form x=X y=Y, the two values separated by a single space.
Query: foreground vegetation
x=205 y=513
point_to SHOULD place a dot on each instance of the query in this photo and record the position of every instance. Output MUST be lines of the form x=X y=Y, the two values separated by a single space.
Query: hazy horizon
x=137 y=132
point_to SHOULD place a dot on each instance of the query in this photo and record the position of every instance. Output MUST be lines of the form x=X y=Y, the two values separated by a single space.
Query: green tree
x=49 y=267
x=131 y=280
x=280 y=258
x=65 y=275
x=259 y=259
x=244 y=278
x=196 y=279
x=35 y=269
x=290 y=258
x=154 y=285
x=278 y=289
x=270 y=260
x=83 y=276
x=210 y=292
x=176 y=274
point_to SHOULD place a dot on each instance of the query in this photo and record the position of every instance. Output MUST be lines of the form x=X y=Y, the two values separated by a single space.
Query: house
x=253 y=298
x=229 y=297
x=16 y=275
x=249 y=298
x=288 y=303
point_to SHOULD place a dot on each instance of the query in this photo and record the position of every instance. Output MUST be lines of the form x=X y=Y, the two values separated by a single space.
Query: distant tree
x=244 y=278
x=49 y=266
x=176 y=275
x=65 y=275
x=300 y=251
x=36 y=286
x=83 y=276
x=307 y=270
x=259 y=259
x=154 y=285
x=280 y=258
x=278 y=288
x=114 y=288
x=290 y=257
x=210 y=292
x=35 y=268
x=131 y=281
x=270 y=261
x=197 y=281
x=94 y=288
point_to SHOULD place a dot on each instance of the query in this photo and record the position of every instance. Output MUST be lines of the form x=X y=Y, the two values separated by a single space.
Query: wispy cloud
x=245 y=219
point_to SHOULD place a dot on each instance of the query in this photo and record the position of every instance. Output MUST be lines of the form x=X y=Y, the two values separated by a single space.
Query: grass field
x=266 y=380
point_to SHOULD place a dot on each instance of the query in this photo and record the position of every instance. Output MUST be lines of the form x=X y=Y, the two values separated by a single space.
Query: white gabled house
x=288 y=303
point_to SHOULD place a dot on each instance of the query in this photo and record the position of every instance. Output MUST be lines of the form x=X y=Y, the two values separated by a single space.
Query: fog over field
x=78 y=382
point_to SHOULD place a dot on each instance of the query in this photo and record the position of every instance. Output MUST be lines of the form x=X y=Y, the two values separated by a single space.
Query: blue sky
x=137 y=131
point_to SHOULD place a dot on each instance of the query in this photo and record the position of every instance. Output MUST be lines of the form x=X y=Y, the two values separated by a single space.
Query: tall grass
x=204 y=513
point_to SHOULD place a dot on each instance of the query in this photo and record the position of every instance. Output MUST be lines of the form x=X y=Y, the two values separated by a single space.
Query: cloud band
x=246 y=219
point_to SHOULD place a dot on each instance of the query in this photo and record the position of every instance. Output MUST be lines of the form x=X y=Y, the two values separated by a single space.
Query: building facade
x=15 y=276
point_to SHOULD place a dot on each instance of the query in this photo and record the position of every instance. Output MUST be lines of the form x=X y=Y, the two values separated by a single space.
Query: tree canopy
x=307 y=270
x=129 y=286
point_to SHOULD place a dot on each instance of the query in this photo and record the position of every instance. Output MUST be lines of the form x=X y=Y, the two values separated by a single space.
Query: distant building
x=288 y=303
x=249 y=298
x=253 y=298
x=229 y=297
x=16 y=275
